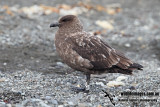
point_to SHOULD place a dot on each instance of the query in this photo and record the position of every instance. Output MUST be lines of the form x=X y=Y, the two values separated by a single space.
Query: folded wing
x=99 y=53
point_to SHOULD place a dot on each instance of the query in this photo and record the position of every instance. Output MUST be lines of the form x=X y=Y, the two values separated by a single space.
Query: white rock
x=158 y=69
x=32 y=10
x=3 y=79
x=84 y=105
x=71 y=103
x=73 y=11
x=60 y=64
x=127 y=45
x=5 y=64
x=120 y=78
x=104 y=24
x=3 y=104
x=60 y=106
x=115 y=83
x=9 y=105
x=100 y=83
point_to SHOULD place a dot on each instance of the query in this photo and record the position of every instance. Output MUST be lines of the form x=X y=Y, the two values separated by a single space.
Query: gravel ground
x=32 y=75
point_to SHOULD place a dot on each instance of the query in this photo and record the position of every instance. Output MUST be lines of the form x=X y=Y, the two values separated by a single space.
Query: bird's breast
x=64 y=50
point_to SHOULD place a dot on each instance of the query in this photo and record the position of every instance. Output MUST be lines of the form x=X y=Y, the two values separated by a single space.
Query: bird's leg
x=88 y=76
x=86 y=88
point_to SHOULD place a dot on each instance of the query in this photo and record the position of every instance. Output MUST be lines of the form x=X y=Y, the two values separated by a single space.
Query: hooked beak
x=54 y=24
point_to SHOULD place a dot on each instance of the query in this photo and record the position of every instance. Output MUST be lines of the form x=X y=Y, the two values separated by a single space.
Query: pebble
x=2 y=79
x=120 y=78
x=73 y=11
x=74 y=100
x=100 y=83
x=32 y=102
x=132 y=88
x=158 y=69
x=115 y=83
x=51 y=100
x=1 y=22
x=104 y=24
x=71 y=103
x=54 y=102
x=3 y=104
x=39 y=27
x=60 y=106
x=84 y=105
x=139 y=38
x=9 y=105
x=4 y=64
x=60 y=64
x=127 y=45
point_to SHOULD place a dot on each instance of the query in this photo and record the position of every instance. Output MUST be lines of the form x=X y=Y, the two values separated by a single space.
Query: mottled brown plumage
x=87 y=53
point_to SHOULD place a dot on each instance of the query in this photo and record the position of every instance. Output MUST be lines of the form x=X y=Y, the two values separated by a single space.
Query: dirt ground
x=32 y=74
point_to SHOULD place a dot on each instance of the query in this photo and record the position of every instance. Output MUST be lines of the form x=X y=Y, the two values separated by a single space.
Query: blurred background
x=32 y=74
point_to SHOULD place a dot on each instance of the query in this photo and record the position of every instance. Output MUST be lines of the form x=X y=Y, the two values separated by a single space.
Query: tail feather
x=128 y=71
x=135 y=66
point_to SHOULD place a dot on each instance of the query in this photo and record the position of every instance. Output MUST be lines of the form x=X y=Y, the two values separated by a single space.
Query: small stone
x=32 y=102
x=104 y=24
x=115 y=83
x=54 y=102
x=20 y=65
x=158 y=69
x=48 y=97
x=60 y=64
x=74 y=100
x=120 y=78
x=143 y=46
x=100 y=83
x=84 y=105
x=39 y=27
x=99 y=106
x=73 y=11
x=60 y=106
x=127 y=90
x=153 y=55
x=3 y=104
x=132 y=88
x=9 y=105
x=47 y=12
x=5 y=64
x=78 y=85
x=136 y=22
x=139 y=38
x=32 y=57
x=51 y=100
x=127 y=45
x=71 y=103
x=115 y=99
x=3 y=79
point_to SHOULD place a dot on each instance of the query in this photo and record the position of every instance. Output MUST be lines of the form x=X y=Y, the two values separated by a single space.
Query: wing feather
x=99 y=53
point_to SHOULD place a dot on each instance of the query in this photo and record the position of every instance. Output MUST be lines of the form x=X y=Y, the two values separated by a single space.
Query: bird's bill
x=55 y=24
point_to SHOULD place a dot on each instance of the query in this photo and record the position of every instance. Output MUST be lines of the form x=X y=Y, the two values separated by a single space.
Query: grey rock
x=3 y=104
x=34 y=103
x=74 y=100
x=51 y=100
x=84 y=105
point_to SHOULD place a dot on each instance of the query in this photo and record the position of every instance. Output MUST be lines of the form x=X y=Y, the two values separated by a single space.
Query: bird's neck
x=70 y=29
